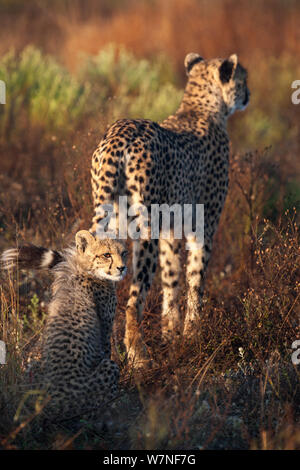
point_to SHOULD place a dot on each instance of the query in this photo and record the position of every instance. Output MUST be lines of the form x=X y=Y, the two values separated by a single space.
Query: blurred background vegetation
x=78 y=65
x=71 y=68
x=132 y=51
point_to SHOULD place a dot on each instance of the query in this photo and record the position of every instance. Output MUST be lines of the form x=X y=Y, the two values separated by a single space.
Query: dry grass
x=231 y=385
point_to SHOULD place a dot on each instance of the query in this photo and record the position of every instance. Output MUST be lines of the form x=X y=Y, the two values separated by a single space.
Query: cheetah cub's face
x=102 y=259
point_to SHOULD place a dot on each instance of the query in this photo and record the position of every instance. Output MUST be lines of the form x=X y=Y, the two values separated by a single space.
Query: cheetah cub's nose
x=121 y=268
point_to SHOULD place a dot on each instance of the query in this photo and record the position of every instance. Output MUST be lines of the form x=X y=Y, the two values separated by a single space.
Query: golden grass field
x=72 y=68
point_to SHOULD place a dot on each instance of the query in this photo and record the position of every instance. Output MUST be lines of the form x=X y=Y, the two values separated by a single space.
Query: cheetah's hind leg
x=170 y=264
x=195 y=274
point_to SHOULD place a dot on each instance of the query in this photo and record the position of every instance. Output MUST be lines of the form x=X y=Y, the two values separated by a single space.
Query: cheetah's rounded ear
x=82 y=239
x=228 y=67
x=234 y=59
x=190 y=60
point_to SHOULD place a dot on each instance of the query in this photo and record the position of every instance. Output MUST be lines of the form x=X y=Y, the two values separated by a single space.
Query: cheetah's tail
x=30 y=257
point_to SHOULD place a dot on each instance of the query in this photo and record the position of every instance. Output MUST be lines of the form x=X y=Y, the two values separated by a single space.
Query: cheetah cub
x=75 y=369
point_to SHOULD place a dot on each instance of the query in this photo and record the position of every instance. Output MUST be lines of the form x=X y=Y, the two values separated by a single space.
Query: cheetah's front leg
x=169 y=256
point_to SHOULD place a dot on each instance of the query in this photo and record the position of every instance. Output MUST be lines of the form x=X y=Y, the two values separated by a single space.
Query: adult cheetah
x=75 y=369
x=183 y=160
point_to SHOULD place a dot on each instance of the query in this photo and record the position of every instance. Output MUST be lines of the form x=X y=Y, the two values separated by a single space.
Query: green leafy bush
x=39 y=92
x=270 y=116
x=124 y=86
x=42 y=94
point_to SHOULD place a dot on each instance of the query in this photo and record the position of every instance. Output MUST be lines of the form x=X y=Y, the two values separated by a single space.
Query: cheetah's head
x=101 y=258
x=219 y=81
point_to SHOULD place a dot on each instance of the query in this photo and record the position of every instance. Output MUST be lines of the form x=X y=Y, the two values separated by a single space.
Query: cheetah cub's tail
x=30 y=257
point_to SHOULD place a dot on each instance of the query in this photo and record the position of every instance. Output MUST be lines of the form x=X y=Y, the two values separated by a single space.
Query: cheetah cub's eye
x=124 y=254
x=107 y=255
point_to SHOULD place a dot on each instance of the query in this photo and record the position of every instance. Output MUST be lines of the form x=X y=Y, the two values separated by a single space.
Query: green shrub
x=39 y=93
x=123 y=86
x=270 y=116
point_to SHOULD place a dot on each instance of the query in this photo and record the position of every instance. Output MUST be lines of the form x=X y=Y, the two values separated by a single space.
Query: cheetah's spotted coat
x=183 y=160
x=75 y=369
